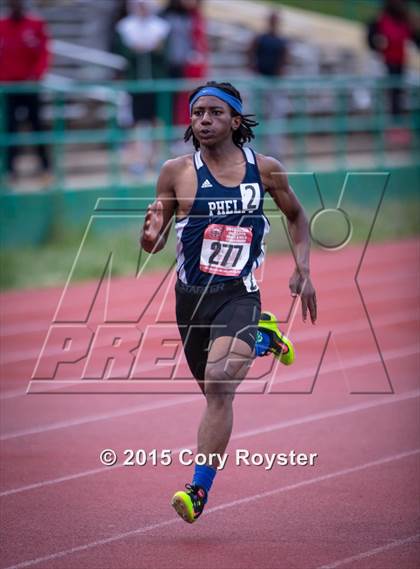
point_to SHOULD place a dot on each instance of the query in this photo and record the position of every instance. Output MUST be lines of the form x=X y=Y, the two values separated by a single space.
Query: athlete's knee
x=219 y=386
x=219 y=400
x=216 y=374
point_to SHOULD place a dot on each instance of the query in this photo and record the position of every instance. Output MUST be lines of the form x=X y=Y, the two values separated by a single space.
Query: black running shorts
x=225 y=309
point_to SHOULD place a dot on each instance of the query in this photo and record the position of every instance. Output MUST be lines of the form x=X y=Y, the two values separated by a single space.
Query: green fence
x=316 y=111
x=301 y=113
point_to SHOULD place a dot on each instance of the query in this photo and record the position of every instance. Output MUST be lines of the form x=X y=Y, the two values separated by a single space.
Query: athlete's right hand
x=153 y=222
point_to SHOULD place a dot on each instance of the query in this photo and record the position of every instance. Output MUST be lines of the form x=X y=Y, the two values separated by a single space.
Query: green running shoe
x=279 y=345
x=190 y=504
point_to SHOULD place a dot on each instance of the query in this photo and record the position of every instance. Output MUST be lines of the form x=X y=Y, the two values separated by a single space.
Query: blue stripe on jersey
x=239 y=206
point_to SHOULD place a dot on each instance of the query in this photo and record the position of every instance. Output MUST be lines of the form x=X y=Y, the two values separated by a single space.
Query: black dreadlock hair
x=243 y=134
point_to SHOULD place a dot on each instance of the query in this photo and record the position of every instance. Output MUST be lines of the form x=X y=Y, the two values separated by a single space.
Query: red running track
x=357 y=507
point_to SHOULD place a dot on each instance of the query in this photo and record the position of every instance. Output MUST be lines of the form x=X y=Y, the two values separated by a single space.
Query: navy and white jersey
x=222 y=238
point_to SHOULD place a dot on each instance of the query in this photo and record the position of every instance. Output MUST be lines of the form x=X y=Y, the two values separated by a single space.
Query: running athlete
x=217 y=197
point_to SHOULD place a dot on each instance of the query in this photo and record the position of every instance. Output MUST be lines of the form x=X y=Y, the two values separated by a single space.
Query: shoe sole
x=181 y=508
x=270 y=325
x=286 y=358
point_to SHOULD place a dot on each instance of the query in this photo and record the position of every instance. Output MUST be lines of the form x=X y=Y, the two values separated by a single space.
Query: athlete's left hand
x=302 y=286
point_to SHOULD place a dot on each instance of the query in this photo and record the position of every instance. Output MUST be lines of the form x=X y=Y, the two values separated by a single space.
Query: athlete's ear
x=236 y=122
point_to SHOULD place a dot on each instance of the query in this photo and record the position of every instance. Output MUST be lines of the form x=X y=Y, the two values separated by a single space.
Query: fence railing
x=340 y=119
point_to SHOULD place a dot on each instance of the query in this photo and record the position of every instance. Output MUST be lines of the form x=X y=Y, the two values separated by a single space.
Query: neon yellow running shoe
x=271 y=340
x=190 y=504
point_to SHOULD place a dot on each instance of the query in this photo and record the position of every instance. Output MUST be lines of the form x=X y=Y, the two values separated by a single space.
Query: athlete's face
x=212 y=121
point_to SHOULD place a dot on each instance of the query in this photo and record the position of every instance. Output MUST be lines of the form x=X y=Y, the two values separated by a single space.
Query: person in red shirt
x=389 y=35
x=187 y=49
x=23 y=57
x=196 y=66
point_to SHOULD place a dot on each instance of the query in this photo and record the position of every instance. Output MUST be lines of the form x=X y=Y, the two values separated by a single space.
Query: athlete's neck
x=221 y=154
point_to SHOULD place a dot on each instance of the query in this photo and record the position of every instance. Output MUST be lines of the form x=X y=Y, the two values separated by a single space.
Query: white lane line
x=391 y=545
x=357 y=361
x=387 y=319
x=387 y=400
x=16 y=306
x=30 y=354
x=401 y=317
x=306 y=373
x=40 y=325
x=47 y=386
x=330 y=414
x=175 y=400
x=225 y=506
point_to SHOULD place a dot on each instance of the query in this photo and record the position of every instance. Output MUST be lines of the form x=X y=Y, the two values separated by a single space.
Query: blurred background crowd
x=100 y=88
x=93 y=100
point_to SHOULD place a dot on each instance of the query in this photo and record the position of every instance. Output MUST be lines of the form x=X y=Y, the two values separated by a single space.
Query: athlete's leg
x=227 y=365
x=234 y=321
x=231 y=353
x=195 y=337
x=195 y=342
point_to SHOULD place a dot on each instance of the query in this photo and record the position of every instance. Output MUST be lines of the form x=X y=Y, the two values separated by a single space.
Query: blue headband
x=220 y=94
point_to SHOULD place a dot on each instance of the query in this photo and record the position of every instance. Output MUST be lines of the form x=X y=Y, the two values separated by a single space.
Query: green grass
x=357 y=10
x=51 y=263
x=396 y=220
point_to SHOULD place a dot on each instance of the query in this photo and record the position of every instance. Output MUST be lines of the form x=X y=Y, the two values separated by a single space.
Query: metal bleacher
x=327 y=121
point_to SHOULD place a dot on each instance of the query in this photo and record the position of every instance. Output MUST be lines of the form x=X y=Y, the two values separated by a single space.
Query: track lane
x=91 y=506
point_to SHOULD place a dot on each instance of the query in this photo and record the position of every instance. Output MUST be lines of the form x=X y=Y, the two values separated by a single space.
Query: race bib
x=225 y=250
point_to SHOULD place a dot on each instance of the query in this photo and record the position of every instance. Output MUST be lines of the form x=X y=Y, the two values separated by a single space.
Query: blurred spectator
x=187 y=48
x=140 y=38
x=388 y=35
x=180 y=45
x=268 y=51
x=23 y=57
x=197 y=64
x=268 y=56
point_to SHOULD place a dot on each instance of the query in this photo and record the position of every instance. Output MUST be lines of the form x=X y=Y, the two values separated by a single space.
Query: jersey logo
x=206 y=184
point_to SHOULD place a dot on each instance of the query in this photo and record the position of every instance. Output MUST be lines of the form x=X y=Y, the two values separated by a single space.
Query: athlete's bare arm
x=158 y=219
x=275 y=180
x=175 y=193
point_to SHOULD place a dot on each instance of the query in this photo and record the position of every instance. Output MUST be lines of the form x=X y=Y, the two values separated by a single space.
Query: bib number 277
x=225 y=250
